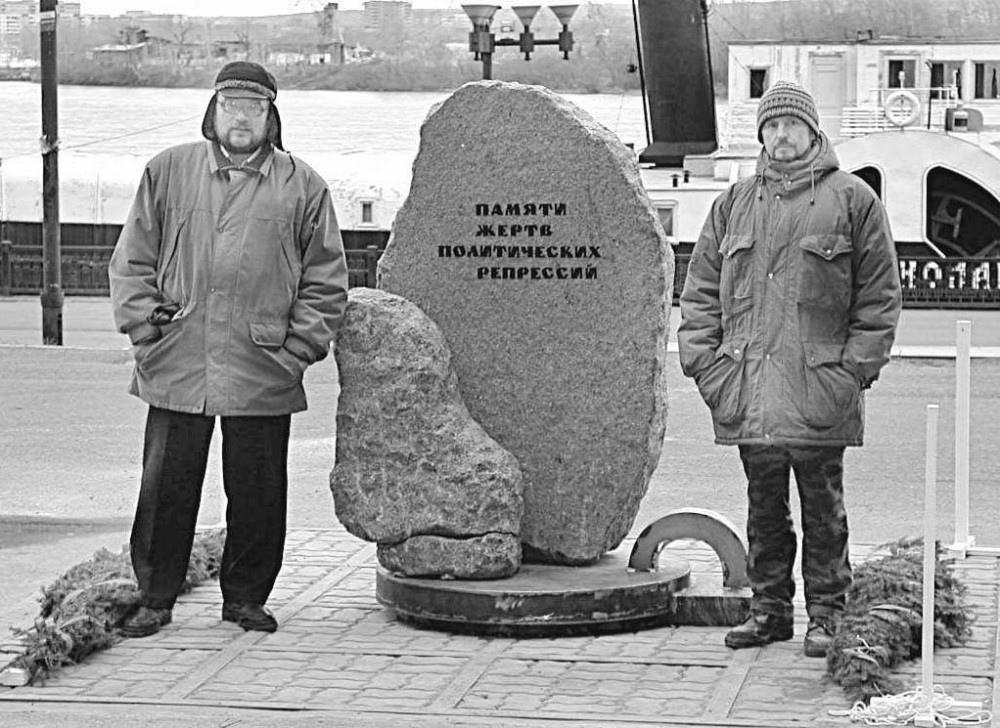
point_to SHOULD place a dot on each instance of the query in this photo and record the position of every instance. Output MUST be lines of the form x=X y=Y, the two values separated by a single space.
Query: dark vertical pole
x=52 y=295
x=6 y=269
x=486 y=41
x=642 y=72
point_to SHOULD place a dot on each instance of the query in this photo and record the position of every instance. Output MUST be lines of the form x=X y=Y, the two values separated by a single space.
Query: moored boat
x=900 y=117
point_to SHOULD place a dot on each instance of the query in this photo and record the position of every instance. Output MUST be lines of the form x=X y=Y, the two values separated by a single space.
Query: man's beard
x=252 y=146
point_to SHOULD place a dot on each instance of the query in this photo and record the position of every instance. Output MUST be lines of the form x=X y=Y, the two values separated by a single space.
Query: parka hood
x=820 y=160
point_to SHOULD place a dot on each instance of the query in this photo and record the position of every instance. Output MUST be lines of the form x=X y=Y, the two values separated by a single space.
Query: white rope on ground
x=903 y=709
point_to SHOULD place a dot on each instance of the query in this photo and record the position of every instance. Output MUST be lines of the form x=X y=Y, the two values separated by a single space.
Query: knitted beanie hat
x=785 y=98
x=247 y=76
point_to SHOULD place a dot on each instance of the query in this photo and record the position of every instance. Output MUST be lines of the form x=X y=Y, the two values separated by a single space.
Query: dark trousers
x=826 y=566
x=255 y=478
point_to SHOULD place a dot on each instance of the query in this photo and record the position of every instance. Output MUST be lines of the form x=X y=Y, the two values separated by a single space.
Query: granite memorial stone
x=528 y=237
x=414 y=472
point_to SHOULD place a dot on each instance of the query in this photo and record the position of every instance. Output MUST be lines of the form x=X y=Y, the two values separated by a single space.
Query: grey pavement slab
x=340 y=657
x=70 y=441
x=87 y=322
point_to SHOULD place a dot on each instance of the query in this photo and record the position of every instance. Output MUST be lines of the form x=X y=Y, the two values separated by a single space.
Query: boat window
x=902 y=73
x=963 y=218
x=666 y=215
x=945 y=76
x=986 y=85
x=873 y=177
x=758 y=82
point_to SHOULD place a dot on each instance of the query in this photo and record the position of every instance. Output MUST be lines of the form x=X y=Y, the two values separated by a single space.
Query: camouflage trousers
x=826 y=566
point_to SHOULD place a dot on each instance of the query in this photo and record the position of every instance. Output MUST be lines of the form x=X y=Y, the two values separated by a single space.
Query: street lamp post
x=482 y=42
x=52 y=293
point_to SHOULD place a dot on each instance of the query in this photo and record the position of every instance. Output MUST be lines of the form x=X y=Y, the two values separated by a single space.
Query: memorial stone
x=414 y=472
x=528 y=237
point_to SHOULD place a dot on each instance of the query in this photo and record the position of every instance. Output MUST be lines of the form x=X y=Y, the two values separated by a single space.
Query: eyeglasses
x=249 y=107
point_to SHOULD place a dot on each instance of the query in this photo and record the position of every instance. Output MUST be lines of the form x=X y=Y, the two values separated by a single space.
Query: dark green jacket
x=790 y=306
x=256 y=268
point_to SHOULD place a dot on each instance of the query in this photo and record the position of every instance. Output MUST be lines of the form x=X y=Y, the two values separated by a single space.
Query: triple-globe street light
x=482 y=42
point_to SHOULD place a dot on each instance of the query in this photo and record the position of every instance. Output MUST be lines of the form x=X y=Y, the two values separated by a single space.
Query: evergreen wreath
x=881 y=626
x=81 y=611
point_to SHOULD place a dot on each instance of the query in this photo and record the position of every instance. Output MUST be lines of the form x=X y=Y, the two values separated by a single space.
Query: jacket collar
x=804 y=172
x=259 y=162
x=821 y=158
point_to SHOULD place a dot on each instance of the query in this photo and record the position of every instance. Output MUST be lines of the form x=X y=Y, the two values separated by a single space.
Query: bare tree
x=180 y=32
x=243 y=38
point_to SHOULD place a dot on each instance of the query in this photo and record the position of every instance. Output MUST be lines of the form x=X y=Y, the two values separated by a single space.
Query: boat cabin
x=917 y=119
x=853 y=81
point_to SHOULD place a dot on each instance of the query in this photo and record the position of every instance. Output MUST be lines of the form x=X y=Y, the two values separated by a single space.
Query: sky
x=247 y=8
x=243 y=8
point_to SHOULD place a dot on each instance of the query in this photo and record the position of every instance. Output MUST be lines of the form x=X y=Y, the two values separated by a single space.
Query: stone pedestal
x=546 y=600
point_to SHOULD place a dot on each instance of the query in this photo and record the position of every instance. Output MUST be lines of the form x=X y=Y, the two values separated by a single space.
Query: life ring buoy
x=901 y=108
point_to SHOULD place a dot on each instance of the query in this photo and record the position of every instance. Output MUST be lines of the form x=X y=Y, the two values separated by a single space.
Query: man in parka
x=229 y=278
x=789 y=312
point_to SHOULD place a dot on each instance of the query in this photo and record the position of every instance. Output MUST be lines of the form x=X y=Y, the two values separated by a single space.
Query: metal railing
x=928 y=282
x=85 y=268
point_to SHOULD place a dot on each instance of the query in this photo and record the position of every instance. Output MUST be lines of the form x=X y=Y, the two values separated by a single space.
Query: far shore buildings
x=382 y=13
x=16 y=16
x=316 y=39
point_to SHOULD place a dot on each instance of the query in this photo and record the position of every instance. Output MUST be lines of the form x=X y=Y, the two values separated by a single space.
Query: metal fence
x=927 y=282
x=85 y=268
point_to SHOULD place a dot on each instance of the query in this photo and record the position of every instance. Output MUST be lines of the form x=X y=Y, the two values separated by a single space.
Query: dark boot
x=254 y=617
x=146 y=621
x=760 y=629
x=819 y=636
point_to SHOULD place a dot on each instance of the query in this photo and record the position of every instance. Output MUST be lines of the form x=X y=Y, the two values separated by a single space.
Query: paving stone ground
x=339 y=652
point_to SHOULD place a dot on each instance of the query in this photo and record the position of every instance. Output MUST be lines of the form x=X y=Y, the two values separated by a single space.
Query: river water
x=142 y=121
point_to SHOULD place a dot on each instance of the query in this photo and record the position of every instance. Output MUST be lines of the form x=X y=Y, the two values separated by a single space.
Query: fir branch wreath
x=881 y=626
x=82 y=610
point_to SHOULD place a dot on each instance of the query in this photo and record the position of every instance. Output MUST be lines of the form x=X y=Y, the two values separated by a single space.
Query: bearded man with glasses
x=229 y=278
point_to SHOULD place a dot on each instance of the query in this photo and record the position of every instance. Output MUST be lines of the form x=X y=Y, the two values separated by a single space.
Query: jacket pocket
x=269 y=335
x=736 y=277
x=830 y=390
x=721 y=383
x=826 y=271
x=147 y=356
x=172 y=268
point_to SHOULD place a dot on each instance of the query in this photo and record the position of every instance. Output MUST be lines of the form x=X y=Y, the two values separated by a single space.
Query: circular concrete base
x=540 y=600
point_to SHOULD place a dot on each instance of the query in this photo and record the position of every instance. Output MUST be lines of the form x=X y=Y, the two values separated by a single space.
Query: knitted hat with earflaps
x=254 y=79
x=247 y=76
x=785 y=98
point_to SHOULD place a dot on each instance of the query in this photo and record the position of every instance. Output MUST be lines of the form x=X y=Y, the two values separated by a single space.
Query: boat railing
x=84 y=268
x=928 y=281
x=948 y=96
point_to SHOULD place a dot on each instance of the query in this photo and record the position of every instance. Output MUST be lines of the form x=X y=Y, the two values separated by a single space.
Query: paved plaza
x=69 y=462
x=340 y=657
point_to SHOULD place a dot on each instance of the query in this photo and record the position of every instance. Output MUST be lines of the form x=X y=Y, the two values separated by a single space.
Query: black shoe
x=255 y=617
x=760 y=629
x=819 y=636
x=146 y=621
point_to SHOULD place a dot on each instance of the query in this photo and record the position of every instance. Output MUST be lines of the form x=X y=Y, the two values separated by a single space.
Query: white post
x=963 y=376
x=925 y=716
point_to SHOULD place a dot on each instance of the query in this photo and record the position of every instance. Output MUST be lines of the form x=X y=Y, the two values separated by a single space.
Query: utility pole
x=52 y=295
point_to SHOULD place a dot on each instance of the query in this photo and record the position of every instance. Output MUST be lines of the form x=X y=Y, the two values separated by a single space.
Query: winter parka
x=790 y=305
x=249 y=265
